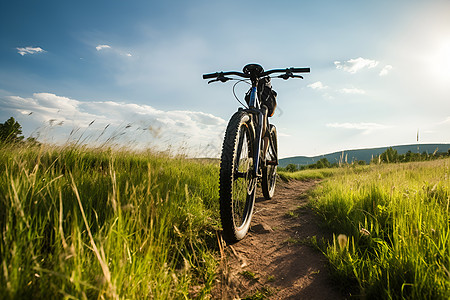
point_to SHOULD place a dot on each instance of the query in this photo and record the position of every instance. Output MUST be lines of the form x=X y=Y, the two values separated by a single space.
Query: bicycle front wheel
x=237 y=186
x=269 y=172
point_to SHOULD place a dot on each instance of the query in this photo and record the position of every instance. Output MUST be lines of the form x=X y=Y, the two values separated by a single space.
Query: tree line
x=389 y=156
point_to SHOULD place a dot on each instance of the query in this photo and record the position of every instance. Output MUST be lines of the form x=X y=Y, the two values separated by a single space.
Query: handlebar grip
x=211 y=75
x=300 y=70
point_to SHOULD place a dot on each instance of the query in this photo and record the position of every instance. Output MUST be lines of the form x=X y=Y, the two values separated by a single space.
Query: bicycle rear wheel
x=269 y=172
x=237 y=185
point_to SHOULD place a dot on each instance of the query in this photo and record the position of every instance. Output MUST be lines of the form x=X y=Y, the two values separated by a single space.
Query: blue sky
x=130 y=71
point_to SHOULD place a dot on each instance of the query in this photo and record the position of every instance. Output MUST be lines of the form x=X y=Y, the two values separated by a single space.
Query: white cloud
x=51 y=101
x=356 y=64
x=281 y=134
x=365 y=127
x=101 y=47
x=317 y=86
x=30 y=50
x=114 y=50
x=133 y=125
x=446 y=121
x=352 y=91
x=385 y=70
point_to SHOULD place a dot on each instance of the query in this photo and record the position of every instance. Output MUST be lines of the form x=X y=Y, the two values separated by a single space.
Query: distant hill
x=362 y=154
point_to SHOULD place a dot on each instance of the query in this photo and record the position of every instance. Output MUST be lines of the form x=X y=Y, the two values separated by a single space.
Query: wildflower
x=342 y=240
x=364 y=232
x=381 y=208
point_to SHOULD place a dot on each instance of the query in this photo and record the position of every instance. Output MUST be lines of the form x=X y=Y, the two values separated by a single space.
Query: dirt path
x=273 y=260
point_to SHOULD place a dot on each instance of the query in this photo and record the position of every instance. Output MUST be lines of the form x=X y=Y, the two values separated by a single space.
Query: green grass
x=261 y=294
x=249 y=275
x=81 y=223
x=394 y=226
x=309 y=174
x=92 y=224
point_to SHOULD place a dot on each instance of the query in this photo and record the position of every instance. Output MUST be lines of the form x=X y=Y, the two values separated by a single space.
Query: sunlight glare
x=440 y=62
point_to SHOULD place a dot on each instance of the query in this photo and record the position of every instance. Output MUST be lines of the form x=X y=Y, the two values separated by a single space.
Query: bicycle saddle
x=253 y=70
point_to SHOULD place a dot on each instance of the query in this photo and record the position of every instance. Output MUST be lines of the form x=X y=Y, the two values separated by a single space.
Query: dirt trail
x=272 y=260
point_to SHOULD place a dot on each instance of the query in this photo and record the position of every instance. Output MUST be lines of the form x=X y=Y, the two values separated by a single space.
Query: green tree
x=11 y=131
x=321 y=163
x=361 y=162
x=408 y=156
x=389 y=156
x=291 y=168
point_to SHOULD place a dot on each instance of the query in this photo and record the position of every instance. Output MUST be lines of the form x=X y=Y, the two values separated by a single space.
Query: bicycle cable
x=246 y=81
x=234 y=92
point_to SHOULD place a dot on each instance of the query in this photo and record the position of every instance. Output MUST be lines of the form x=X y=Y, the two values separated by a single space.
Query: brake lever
x=220 y=78
x=288 y=75
x=284 y=76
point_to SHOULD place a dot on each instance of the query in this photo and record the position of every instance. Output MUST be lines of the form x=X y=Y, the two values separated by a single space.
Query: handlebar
x=287 y=70
x=240 y=74
x=220 y=74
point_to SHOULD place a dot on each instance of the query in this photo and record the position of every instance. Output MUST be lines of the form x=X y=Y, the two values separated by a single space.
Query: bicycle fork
x=257 y=144
x=257 y=128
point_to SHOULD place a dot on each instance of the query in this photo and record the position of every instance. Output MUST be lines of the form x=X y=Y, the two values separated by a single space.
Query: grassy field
x=93 y=224
x=391 y=228
x=83 y=223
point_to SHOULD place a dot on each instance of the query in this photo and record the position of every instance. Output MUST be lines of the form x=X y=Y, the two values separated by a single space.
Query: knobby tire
x=269 y=172
x=237 y=186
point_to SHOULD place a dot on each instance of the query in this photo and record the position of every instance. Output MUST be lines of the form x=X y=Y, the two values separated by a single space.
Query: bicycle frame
x=255 y=110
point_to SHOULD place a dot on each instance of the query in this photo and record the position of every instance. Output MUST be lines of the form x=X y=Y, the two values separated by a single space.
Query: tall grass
x=82 y=223
x=393 y=222
x=308 y=174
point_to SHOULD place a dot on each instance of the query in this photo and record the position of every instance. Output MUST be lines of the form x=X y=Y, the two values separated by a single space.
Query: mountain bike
x=249 y=151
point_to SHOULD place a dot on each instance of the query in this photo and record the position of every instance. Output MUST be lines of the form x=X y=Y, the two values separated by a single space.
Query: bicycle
x=249 y=151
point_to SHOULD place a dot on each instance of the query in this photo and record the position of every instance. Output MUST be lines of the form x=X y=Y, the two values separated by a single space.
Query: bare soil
x=275 y=261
